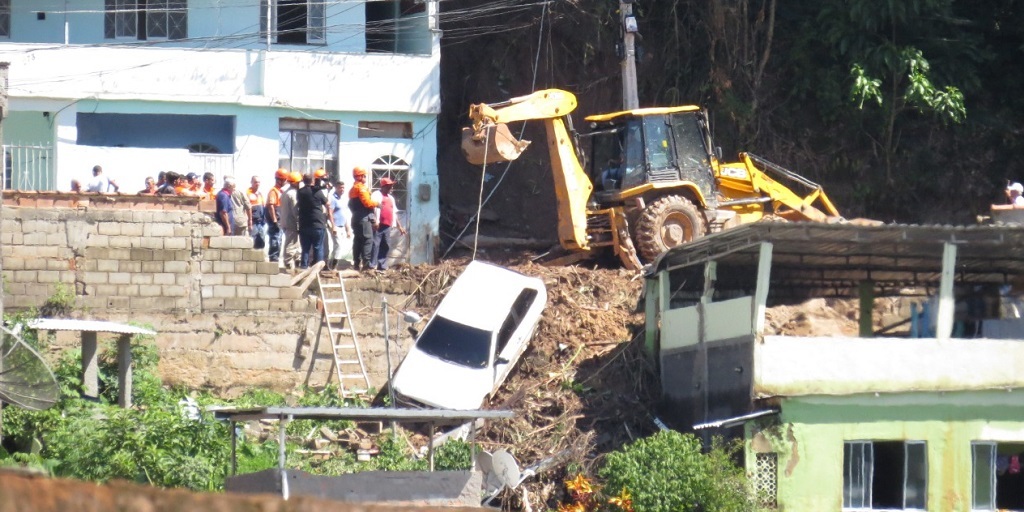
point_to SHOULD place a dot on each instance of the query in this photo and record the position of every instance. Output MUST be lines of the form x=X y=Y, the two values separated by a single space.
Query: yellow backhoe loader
x=658 y=176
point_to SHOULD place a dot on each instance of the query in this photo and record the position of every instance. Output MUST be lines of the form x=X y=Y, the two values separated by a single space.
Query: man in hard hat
x=259 y=217
x=290 y=222
x=1014 y=197
x=363 y=221
x=273 y=214
x=387 y=217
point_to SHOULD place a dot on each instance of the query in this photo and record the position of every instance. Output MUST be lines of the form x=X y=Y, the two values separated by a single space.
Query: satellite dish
x=25 y=379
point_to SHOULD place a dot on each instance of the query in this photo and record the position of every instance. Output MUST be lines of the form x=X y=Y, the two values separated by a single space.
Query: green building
x=928 y=415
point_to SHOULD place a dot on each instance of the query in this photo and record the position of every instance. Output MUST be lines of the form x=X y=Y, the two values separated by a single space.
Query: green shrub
x=668 y=472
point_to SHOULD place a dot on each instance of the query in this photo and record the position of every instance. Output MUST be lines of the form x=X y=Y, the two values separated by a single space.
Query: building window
x=145 y=19
x=997 y=477
x=766 y=480
x=390 y=166
x=891 y=475
x=5 y=18
x=306 y=146
x=384 y=130
x=294 y=21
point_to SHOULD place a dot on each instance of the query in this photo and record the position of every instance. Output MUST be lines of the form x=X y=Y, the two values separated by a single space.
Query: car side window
x=515 y=316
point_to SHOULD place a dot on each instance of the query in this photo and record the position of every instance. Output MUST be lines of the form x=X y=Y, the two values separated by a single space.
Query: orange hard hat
x=358 y=171
x=319 y=173
x=295 y=177
x=282 y=174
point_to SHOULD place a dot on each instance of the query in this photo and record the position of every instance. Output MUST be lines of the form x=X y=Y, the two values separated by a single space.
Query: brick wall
x=226 y=318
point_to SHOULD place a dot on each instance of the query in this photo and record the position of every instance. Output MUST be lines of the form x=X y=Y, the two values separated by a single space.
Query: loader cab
x=652 y=146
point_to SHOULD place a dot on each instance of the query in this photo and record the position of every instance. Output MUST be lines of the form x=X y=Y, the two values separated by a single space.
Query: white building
x=144 y=86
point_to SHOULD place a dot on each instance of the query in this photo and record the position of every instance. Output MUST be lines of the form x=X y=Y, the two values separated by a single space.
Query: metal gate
x=29 y=167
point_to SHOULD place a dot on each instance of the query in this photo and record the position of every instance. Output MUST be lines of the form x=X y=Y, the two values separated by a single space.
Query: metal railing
x=29 y=167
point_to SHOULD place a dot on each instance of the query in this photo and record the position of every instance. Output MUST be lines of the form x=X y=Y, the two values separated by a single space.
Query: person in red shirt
x=386 y=218
x=363 y=221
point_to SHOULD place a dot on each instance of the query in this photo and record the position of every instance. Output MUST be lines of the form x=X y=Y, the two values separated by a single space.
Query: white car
x=475 y=337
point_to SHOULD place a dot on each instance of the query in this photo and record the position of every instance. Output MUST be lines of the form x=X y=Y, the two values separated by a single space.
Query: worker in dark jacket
x=363 y=221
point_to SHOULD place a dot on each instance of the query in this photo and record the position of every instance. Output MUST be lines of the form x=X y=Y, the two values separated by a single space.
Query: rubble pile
x=584 y=386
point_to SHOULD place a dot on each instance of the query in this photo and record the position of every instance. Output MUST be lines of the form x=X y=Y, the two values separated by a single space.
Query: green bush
x=668 y=472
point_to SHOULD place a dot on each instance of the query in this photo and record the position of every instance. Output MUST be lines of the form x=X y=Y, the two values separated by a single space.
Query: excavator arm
x=489 y=141
x=815 y=206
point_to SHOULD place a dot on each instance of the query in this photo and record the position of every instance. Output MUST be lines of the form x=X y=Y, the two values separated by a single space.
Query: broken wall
x=226 y=319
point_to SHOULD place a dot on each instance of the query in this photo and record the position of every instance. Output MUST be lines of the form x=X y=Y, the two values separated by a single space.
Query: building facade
x=237 y=87
x=923 y=411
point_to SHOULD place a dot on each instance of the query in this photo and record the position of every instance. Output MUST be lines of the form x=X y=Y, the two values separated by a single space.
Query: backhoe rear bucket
x=492 y=143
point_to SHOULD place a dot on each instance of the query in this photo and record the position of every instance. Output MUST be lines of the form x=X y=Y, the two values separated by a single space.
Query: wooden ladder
x=348 y=362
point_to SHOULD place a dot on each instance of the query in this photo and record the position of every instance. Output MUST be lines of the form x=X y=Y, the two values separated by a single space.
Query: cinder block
x=153 y=242
x=131 y=228
x=255 y=255
x=268 y=292
x=213 y=230
x=206 y=267
x=220 y=242
x=245 y=267
x=130 y=266
x=25 y=276
x=241 y=242
x=140 y=254
x=213 y=304
x=246 y=292
x=234 y=279
x=280 y=280
x=37 y=290
x=151 y=290
x=206 y=292
x=182 y=231
x=163 y=278
x=292 y=292
x=231 y=255
x=223 y=291
x=35 y=264
x=13 y=289
x=223 y=267
x=48 y=276
x=119 y=242
x=257 y=305
x=236 y=304
x=11 y=263
x=173 y=290
x=146 y=303
x=59 y=264
x=56 y=239
x=158 y=229
x=97 y=241
x=103 y=290
x=108 y=265
x=34 y=238
x=177 y=243
x=152 y=266
x=176 y=266
x=142 y=278
x=211 y=254
x=177 y=255
x=47 y=251
x=212 y=279
x=185 y=279
x=68 y=276
x=257 y=280
x=117 y=302
x=128 y=290
x=119 y=277
x=280 y=305
x=108 y=228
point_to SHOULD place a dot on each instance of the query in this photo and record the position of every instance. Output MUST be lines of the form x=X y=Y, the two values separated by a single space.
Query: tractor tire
x=666 y=223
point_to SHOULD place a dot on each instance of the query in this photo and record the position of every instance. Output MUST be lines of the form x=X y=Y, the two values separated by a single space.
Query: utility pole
x=629 y=94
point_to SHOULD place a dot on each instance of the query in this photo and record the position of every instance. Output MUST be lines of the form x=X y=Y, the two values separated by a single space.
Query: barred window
x=145 y=19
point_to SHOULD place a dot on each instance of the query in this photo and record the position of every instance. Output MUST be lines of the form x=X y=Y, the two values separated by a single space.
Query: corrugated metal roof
x=68 y=324
x=815 y=256
x=358 y=413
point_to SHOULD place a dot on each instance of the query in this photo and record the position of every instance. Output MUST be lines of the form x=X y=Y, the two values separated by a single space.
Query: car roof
x=483 y=295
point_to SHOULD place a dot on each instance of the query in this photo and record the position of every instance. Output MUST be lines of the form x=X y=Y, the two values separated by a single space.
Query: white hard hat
x=1015 y=187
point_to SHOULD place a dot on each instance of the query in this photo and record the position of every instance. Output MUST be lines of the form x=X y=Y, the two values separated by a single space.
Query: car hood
x=438 y=383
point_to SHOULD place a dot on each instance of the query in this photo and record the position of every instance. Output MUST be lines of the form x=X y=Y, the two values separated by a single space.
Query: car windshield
x=456 y=343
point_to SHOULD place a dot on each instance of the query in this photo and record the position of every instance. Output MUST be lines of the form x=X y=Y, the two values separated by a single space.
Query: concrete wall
x=226 y=319
x=810 y=437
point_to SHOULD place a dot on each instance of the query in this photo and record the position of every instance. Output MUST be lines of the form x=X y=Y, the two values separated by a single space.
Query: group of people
x=298 y=217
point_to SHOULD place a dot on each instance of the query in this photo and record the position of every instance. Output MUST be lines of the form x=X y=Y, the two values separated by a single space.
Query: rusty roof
x=833 y=259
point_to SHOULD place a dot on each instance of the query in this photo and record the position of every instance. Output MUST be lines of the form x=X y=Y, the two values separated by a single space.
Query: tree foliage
x=669 y=472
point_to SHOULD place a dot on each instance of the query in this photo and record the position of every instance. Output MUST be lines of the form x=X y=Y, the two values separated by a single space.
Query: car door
x=512 y=338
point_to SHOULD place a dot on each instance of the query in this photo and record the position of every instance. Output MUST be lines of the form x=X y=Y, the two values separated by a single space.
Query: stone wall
x=226 y=318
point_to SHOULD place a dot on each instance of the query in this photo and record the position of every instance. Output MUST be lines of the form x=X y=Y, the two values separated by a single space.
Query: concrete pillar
x=764 y=274
x=947 y=302
x=124 y=371
x=90 y=365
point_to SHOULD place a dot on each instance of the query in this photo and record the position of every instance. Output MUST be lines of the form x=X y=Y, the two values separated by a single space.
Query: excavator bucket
x=491 y=143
